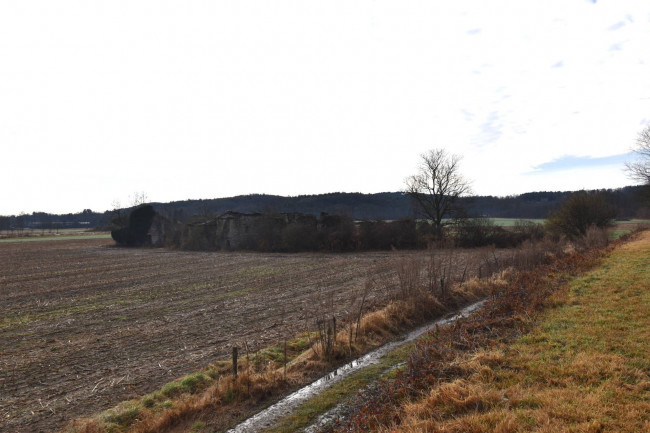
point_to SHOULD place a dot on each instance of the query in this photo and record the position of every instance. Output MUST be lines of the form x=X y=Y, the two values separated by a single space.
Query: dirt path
x=85 y=325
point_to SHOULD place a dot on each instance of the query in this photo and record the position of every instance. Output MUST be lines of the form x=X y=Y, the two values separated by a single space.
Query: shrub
x=425 y=233
x=300 y=237
x=174 y=234
x=268 y=235
x=595 y=237
x=136 y=233
x=199 y=236
x=337 y=232
x=403 y=233
x=528 y=230
x=474 y=232
x=579 y=212
x=383 y=235
x=371 y=235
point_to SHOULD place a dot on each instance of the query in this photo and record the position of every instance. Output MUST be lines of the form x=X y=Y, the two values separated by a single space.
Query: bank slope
x=584 y=367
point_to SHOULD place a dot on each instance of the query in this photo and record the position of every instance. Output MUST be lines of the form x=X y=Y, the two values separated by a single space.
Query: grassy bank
x=583 y=365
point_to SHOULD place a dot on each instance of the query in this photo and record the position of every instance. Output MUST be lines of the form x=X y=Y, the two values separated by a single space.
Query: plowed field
x=85 y=325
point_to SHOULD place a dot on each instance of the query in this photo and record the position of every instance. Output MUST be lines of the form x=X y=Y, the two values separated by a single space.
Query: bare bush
x=408 y=276
x=440 y=272
x=326 y=337
x=595 y=237
x=475 y=232
x=489 y=263
x=529 y=230
x=367 y=288
x=531 y=254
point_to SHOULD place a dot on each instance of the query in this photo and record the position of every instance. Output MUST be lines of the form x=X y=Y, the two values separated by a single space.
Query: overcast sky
x=205 y=99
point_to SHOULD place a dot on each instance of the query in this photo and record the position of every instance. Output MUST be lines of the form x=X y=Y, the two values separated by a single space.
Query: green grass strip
x=307 y=413
x=55 y=238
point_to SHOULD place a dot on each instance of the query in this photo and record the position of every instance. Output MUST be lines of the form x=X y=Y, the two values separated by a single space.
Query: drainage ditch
x=267 y=418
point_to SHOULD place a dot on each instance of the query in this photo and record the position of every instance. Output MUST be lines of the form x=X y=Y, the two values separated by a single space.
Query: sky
x=100 y=100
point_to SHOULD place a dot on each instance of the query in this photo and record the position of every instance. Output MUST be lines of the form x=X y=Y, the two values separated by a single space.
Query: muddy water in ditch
x=267 y=417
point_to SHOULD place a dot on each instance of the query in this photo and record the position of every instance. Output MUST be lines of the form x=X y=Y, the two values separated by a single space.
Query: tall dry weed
x=440 y=272
x=408 y=271
x=595 y=237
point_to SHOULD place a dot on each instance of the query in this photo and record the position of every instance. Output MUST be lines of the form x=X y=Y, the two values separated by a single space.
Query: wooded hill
x=382 y=206
x=395 y=205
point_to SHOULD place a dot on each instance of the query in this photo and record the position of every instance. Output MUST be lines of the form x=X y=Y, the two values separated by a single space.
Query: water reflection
x=267 y=417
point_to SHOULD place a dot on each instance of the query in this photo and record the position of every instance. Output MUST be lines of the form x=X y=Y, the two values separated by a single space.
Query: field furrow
x=85 y=325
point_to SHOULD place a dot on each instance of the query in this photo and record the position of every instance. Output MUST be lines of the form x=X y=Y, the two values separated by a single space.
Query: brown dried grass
x=583 y=368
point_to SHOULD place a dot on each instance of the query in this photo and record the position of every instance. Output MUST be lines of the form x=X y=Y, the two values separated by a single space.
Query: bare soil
x=85 y=325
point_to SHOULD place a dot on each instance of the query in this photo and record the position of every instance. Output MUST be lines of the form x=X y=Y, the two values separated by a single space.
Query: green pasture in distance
x=510 y=222
x=624 y=222
x=55 y=238
x=624 y=227
x=506 y=222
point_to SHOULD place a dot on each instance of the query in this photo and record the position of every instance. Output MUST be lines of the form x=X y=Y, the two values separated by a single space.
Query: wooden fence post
x=234 y=361
x=285 y=359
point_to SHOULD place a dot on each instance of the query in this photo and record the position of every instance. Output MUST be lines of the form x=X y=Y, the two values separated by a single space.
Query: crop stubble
x=85 y=325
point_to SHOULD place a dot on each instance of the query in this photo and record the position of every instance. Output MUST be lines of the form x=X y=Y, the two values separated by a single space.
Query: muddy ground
x=85 y=325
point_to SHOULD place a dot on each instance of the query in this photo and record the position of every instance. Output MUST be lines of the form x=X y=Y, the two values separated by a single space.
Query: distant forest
x=379 y=206
x=395 y=205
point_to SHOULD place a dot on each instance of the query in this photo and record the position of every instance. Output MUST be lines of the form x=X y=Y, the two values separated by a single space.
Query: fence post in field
x=328 y=346
x=350 y=339
x=234 y=361
x=248 y=372
x=285 y=359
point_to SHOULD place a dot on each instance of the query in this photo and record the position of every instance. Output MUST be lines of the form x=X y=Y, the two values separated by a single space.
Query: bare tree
x=139 y=198
x=639 y=170
x=437 y=187
x=118 y=219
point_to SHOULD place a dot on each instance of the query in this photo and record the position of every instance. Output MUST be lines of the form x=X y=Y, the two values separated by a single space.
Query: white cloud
x=194 y=99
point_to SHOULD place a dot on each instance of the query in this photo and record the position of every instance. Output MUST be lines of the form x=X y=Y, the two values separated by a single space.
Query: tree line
x=47 y=222
x=386 y=206
x=628 y=203
x=390 y=206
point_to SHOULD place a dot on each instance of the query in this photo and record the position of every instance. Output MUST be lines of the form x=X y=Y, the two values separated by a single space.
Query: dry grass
x=584 y=368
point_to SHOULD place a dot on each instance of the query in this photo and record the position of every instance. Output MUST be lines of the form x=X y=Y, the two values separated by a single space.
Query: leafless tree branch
x=639 y=170
x=437 y=186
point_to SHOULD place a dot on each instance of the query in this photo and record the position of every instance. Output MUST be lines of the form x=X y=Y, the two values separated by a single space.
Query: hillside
x=394 y=205
x=384 y=206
